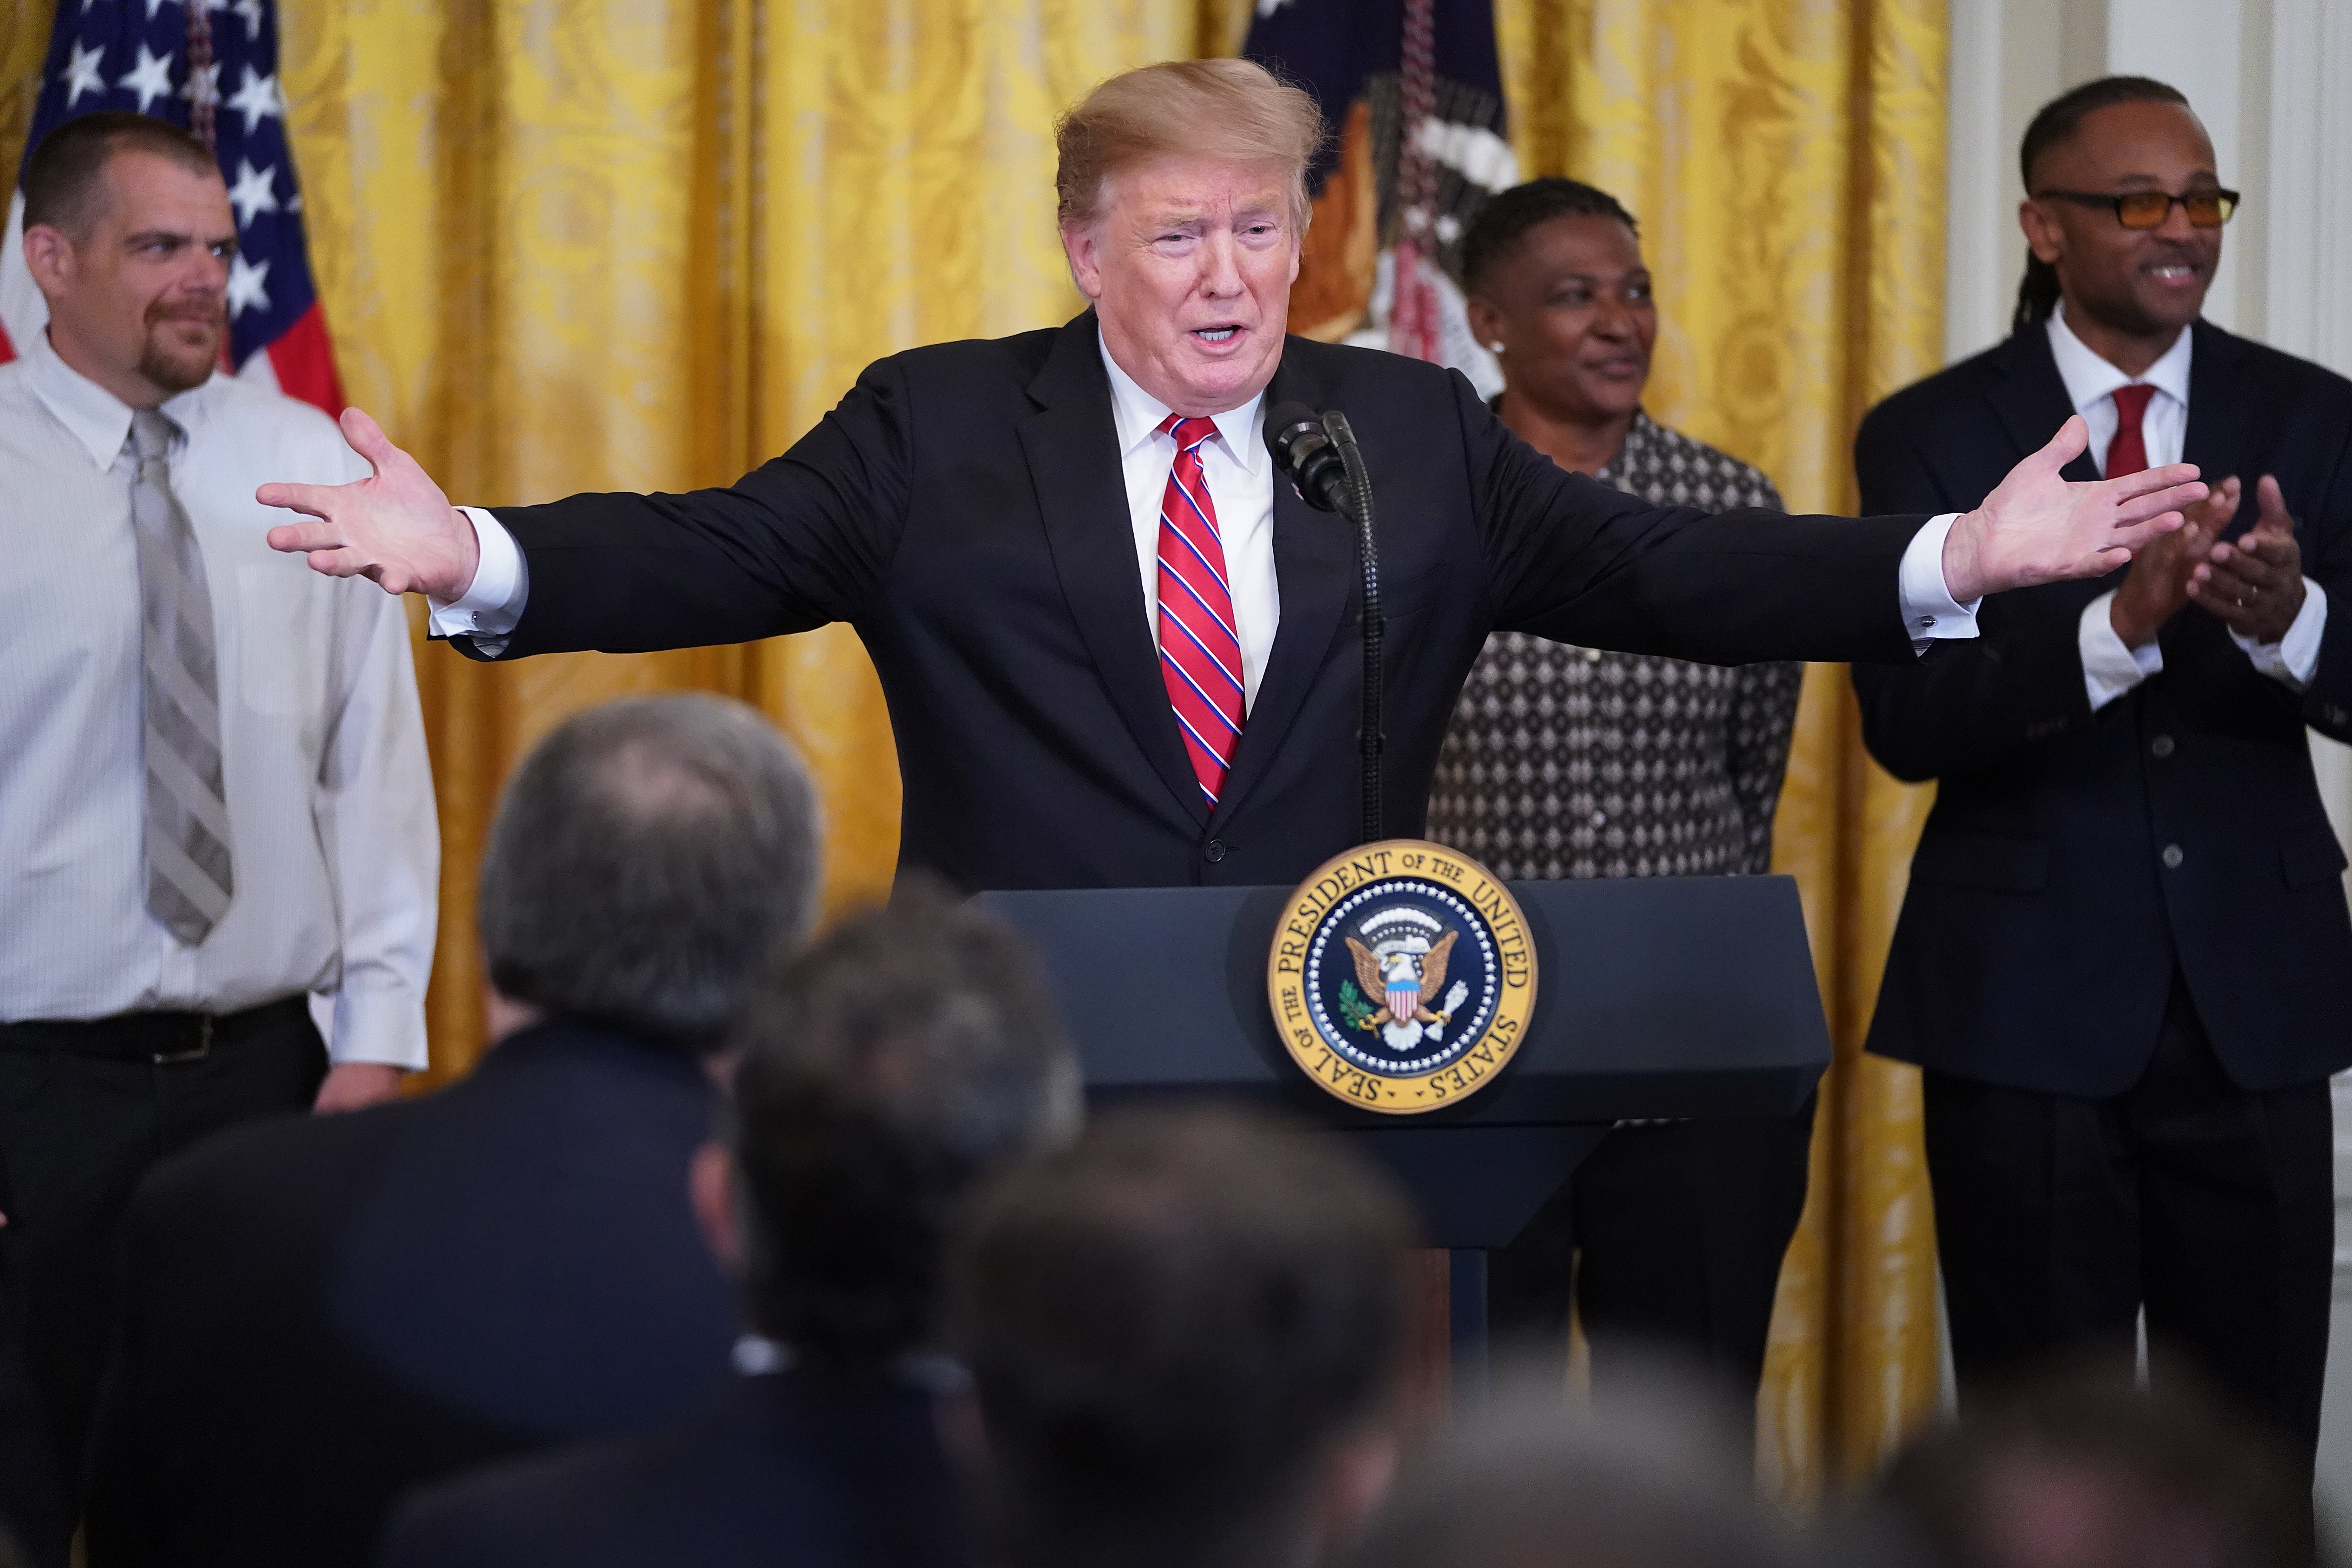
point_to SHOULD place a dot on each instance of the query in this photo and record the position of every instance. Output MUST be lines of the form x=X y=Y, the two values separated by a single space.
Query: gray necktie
x=188 y=879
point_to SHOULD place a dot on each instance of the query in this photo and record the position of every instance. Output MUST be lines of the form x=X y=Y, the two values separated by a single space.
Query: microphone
x=1319 y=455
x=1305 y=454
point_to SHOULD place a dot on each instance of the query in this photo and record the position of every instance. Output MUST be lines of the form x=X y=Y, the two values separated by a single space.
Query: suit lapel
x=2029 y=396
x=2217 y=440
x=1315 y=573
x=1072 y=446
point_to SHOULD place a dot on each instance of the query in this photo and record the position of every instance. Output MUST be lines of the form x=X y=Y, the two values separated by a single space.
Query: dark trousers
x=1671 y=1237
x=85 y=1111
x=2058 y=1218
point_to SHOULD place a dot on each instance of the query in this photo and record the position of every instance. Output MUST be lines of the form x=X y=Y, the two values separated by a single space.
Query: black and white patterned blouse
x=1572 y=761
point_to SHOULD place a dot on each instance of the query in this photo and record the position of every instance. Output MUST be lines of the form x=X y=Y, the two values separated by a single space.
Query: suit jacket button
x=1213 y=851
x=2171 y=857
x=2161 y=745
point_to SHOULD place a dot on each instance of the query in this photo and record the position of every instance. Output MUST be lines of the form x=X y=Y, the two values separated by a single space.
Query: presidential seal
x=1402 y=976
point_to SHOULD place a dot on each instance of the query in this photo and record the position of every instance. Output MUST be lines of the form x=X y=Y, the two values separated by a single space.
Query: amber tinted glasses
x=2148 y=209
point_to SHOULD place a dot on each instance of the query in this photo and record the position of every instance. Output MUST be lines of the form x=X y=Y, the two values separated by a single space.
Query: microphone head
x=1286 y=423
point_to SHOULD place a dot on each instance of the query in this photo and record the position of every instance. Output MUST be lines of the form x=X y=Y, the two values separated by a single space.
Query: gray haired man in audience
x=912 y=1052
x=324 y=1312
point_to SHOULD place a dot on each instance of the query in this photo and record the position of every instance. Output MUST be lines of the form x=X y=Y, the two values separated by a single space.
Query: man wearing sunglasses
x=2125 y=961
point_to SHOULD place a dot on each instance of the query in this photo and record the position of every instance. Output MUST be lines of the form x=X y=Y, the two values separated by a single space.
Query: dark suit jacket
x=793 y=1470
x=963 y=509
x=323 y=1312
x=2037 y=942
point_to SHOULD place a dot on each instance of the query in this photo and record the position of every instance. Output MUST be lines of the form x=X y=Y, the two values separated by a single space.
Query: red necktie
x=1200 y=653
x=2128 y=453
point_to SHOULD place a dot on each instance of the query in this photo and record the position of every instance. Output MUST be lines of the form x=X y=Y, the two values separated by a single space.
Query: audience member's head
x=909 y=1053
x=1645 y=1478
x=1556 y=287
x=2141 y=268
x=2083 y=1472
x=128 y=234
x=1186 y=1332
x=647 y=858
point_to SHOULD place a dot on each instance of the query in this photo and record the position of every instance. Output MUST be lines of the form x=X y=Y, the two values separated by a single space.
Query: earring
x=1496 y=346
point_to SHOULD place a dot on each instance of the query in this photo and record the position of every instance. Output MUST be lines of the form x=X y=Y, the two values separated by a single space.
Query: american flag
x=210 y=65
x=1430 y=73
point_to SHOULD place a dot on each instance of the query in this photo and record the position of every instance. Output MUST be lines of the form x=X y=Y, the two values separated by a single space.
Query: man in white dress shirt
x=216 y=802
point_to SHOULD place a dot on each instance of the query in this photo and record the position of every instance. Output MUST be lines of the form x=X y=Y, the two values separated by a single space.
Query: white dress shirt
x=2110 y=669
x=329 y=799
x=1240 y=475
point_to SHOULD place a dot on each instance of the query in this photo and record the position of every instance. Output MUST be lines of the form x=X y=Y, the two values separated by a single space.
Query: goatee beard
x=177 y=371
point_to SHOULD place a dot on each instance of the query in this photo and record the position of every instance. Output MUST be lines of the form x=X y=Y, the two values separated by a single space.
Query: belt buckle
x=204 y=1047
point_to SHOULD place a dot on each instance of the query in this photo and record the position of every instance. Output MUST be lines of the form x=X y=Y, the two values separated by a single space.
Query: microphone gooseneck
x=1318 y=454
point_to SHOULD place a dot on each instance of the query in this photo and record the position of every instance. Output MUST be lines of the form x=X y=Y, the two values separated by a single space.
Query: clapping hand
x=2256 y=585
x=2157 y=587
x=2039 y=528
x=396 y=528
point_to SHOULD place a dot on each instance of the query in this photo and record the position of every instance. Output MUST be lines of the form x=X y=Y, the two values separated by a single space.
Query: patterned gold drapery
x=1785 y=159
x=580 y=244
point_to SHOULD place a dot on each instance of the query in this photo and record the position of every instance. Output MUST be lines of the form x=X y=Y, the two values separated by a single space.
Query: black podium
x=1656 y=997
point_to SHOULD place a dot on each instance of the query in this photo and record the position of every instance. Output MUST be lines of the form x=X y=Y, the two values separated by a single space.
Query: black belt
x=163 y=1038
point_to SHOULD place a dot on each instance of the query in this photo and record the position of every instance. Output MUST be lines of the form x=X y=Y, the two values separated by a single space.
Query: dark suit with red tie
x=964 y=508
x=2125 y=959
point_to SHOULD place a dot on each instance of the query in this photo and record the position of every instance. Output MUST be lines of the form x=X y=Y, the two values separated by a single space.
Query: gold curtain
x=1785 y=159
x=572 y=245
x=579 y=244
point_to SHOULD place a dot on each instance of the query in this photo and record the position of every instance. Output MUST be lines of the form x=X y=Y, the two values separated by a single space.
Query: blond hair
x=1226 y=110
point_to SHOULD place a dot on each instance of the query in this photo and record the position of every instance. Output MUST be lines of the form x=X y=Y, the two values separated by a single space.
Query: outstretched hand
x=2039 y=528
x=397 y=529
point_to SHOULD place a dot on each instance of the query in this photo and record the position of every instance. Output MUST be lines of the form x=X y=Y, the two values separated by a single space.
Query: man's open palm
x=2039 y=528
x=396 y=528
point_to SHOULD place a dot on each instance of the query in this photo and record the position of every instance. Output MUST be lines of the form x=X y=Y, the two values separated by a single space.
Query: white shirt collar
x=1139 y=415
x=97 y=418
x=2089 y=378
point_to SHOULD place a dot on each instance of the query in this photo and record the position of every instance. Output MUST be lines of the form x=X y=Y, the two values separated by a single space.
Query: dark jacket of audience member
x=324 y=1312
x=912 y=1051
x=1186 y=1334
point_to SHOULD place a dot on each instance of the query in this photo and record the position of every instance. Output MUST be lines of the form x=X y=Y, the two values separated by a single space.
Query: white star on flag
x=258 y=97
x=250 y=10
x=245 y=280
x=256 y=191
x=204 y=85
x=81 y=74
x=156 y=5
x=151 y=78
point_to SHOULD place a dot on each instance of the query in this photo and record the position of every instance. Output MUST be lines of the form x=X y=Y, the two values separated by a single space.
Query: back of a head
x=1170 y=1325
x=647 y=858
x=1646 y=1480
x=909 y=1053
x=2052 y=126
x=2082 y=1471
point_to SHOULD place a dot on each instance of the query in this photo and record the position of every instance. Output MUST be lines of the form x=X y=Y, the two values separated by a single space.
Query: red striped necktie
x=1199 y=652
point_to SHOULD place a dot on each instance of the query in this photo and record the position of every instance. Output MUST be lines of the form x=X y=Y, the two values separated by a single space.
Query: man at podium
x=1175 y=701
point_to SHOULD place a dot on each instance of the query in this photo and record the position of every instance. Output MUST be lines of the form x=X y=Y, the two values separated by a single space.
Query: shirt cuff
x=379 y=1026
x=1929 y=611
x=2110 y=669
x=493 y=601
x=2292 y=659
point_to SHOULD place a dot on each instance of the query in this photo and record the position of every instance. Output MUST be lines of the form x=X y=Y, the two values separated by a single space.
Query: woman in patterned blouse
x=1567 y=761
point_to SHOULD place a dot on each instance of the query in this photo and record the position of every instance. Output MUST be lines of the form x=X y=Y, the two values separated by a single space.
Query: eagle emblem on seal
x=1400 y=957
